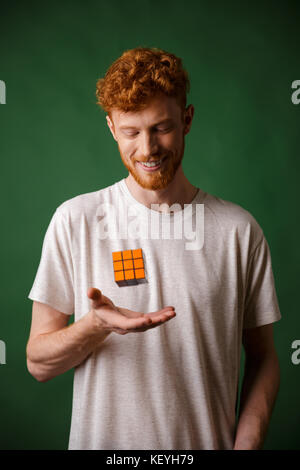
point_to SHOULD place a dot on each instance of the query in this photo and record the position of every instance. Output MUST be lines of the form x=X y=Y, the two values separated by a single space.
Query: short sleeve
x=53 y=284
x=261 y=303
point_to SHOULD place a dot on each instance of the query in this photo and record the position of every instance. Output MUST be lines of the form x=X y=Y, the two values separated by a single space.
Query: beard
x=160 y=178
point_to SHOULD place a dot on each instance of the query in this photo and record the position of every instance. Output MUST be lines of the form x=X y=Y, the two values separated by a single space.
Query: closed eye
x=164 y=129
x=130 y=134
x=158 y=129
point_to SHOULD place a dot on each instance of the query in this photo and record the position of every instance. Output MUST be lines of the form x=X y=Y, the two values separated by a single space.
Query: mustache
x=152 y=159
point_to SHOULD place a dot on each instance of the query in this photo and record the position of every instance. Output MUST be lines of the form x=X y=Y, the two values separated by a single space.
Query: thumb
x=95 y=296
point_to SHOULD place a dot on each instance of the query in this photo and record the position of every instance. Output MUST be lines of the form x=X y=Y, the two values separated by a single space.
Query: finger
x=93 y=293
x=159 y=320
x=162 y=310
x=169 y=311
x=116 y=319
x=133 y=314
x=136 y=323
x=95 y=296
x=154 y=324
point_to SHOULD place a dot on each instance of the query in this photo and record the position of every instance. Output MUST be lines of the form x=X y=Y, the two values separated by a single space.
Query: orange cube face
x=129 y=274
x=117 y=256
x=119 y=276
x=127 y=254
x=138 y=263
x=128 y=264
x=137 y=253
x=129 y=267
x=118 y=266
x=139 y=274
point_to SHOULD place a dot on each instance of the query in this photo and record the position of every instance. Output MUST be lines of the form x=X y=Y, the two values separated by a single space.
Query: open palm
x=122 y=320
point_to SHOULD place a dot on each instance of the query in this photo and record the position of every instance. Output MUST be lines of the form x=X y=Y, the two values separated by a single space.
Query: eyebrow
x=164 y=121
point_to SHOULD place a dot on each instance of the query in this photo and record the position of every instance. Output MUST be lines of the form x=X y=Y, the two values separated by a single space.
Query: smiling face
x=151 y=141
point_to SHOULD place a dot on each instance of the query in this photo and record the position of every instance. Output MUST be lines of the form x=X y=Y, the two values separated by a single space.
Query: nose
x=149 y=145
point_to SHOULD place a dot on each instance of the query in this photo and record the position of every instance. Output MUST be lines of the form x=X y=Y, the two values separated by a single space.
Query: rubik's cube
x=129 y=268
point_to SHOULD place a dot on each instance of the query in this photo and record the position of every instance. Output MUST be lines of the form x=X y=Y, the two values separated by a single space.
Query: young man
x=174 y=384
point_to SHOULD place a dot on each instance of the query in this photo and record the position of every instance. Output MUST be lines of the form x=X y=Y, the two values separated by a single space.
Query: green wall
x=242 y=58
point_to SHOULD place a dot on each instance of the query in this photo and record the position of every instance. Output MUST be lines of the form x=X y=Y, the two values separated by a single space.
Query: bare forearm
x=52 y=354
x=259 y=390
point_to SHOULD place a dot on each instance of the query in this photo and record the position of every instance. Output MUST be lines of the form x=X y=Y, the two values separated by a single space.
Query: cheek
x=126 y=149
x=130 y=152
x=172 y=142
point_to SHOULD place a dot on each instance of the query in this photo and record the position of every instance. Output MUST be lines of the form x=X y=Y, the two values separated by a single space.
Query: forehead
x=158 y=109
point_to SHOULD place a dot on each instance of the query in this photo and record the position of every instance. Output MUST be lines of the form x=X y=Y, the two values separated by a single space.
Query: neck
x=179 y=191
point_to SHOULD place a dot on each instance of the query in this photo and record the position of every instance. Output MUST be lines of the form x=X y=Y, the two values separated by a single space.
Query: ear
x=188 y=118
x=111 y=127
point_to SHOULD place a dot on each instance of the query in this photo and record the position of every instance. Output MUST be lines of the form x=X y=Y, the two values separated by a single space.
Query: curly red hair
x=140 y=74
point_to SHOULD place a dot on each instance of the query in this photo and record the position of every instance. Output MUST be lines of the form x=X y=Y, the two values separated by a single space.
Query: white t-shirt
x=175 y=386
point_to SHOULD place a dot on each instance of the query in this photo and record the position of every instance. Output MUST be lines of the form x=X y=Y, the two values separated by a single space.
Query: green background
x=54 y=144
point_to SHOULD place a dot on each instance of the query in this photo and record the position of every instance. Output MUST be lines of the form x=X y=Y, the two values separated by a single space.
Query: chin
x=159 y=182
x=156 y=181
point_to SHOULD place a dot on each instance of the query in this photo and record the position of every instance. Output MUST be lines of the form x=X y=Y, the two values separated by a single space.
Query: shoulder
x=233 y=219
x=85 y=205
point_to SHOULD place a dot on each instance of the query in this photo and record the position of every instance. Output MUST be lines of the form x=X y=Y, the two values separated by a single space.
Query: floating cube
x=129 y=268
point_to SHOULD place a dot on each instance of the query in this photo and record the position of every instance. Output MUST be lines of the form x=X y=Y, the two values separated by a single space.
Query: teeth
x=150 y=164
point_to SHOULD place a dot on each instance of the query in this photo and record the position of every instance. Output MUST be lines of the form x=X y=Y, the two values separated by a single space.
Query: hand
x=123 y=321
